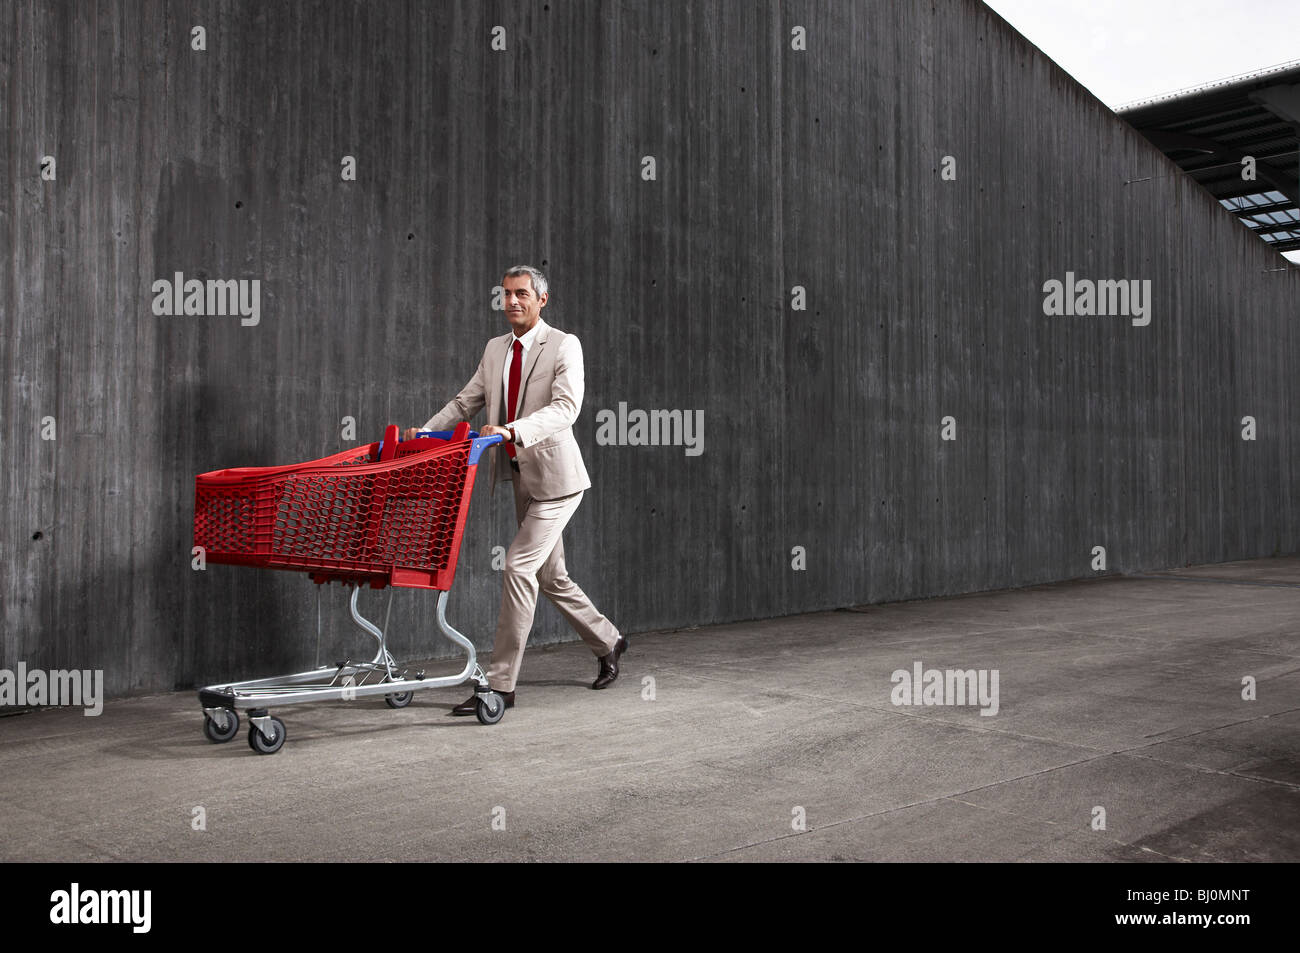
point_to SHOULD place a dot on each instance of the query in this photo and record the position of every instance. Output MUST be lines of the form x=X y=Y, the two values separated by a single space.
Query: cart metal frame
x=222 y=702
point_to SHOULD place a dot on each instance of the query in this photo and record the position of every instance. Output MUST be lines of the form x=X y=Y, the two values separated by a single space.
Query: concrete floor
x=1121 y=693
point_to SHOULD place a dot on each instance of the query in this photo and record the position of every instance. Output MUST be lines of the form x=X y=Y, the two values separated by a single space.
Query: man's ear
x=541 y=302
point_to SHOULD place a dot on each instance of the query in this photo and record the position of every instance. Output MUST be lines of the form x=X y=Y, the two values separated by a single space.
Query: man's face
x=523 y=305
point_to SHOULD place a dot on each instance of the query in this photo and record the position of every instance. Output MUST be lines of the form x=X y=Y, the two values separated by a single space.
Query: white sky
x=1124 y=50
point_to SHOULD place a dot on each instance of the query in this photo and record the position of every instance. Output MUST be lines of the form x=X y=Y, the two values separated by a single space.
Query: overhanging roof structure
x=1208 y=131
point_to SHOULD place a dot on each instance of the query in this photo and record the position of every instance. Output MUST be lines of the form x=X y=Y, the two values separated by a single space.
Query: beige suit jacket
x=550 y=397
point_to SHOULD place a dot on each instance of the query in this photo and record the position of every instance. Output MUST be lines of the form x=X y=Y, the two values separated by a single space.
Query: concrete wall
x=776 y=167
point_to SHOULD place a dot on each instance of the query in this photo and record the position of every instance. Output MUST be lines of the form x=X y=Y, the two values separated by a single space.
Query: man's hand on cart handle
x=410 y=432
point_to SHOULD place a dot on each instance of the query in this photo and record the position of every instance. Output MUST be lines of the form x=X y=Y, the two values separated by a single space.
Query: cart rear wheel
x=261 y=743
x=221 y=735
x=399 y=699
x=491 y=708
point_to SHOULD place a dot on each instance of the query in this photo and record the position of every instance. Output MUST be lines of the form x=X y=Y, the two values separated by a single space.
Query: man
x=531 y=382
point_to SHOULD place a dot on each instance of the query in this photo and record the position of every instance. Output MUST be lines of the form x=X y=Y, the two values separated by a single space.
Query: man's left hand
x=493 y=430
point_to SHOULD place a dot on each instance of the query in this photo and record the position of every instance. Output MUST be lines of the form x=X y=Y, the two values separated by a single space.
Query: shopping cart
x=389 y=514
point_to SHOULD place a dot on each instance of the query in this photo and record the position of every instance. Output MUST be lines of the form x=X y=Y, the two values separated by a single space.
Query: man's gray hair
x=535 y=275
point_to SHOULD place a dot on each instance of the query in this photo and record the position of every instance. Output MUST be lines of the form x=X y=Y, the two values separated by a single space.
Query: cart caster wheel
x=399 y=700
x=491 y=708
x=221 y=735
x=263 y=745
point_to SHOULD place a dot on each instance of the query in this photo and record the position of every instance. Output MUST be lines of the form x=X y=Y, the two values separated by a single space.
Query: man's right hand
x=410 y=432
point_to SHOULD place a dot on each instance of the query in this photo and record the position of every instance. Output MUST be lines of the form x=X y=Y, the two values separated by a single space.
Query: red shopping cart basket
x=387 y=514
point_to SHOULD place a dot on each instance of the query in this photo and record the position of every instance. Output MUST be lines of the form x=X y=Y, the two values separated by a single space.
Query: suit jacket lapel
x=496 y=360
x=497 y=399
x=530 y=362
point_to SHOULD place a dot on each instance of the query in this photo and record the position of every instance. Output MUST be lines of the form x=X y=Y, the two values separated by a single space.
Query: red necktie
x=516 y=363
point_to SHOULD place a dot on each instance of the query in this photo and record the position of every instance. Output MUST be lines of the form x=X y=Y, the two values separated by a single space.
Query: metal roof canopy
x=1209 y=130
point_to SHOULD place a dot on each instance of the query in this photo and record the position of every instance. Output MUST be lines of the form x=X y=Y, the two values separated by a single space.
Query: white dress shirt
x=527 y=342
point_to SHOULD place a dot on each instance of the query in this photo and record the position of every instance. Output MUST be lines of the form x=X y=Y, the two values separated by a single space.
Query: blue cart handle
x=480 y=444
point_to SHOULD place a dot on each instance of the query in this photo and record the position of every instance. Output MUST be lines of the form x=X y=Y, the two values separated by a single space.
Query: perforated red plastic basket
x=387 y=514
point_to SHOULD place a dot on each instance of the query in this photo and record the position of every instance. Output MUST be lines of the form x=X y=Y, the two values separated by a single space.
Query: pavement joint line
x=1137 y=750
x=1160 y=611
x=1289 y=785
x=1084 y=761
x=1268 y=583
x=996 y=628
x=1201 y=731
x=870 y=814
x=1119 y=842
x=1070 y=628
x=820 y=827
x=1134 y=750
x=1146 y=639
x=1152 y=850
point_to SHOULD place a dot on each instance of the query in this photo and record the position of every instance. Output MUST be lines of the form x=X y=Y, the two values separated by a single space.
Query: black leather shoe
x=470 y=705
x=609 y=665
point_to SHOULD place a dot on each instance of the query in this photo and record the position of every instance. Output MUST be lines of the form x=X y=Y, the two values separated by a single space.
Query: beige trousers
x=535 y=561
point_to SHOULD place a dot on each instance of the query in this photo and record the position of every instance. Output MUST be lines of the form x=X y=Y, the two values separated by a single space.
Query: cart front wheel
x=399 y=699
x=491 y=708
x=219 y=735
x=260 y=743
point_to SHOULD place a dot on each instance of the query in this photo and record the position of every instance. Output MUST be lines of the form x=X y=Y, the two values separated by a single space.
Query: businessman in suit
x=531 y=381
